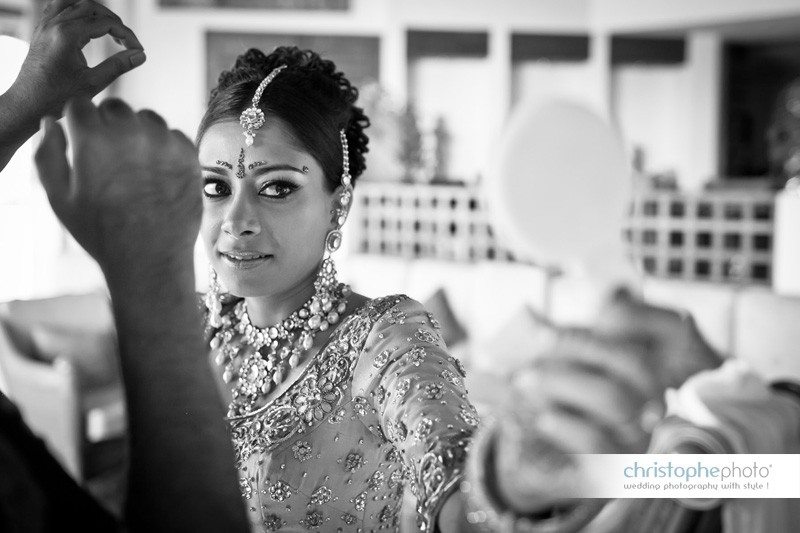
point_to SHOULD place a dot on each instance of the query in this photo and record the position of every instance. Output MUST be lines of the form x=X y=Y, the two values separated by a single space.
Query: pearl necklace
x=266 y=355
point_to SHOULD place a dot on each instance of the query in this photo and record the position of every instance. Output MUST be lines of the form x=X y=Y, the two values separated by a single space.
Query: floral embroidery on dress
x=349 y=519
x=360 y=501
x=279 y=491
x=302 y=451
x=434 y=391
x=376 y=481
x=396 y=431
x=380 y=394
x=439 y=470
x=402 y=389
x=321 y=495
x=469 y=415
x=426 y=336
x=359 y=331
x=337 y=416
x=451 y=378
x=313 y=519
x=388 y=516
x=424 y=428
x=315 y=400
x=434 y=323
x=353 y=461
x=395 y=316
x=381 y=359
x=416 y=355
x=393 y=455
x=273 y=522
x=360 y=405
x=395 y=479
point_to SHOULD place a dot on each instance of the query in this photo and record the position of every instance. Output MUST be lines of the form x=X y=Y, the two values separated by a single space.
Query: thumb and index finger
x=133 y=56
x=83 y=21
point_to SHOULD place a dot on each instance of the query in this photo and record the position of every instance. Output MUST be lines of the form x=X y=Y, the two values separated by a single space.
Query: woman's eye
x=214 y=188
x=278 y=189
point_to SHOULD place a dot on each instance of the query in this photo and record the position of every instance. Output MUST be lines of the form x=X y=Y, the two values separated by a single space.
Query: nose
x=241 y=218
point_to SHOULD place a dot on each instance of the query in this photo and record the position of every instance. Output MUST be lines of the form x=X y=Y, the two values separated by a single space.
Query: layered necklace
x=265 y=356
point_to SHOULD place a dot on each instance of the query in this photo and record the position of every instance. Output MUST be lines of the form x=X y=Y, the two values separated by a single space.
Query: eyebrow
x=262 y=167
x=218 y=170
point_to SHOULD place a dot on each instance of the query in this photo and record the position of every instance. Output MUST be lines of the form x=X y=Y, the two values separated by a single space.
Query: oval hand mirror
x=558 y=186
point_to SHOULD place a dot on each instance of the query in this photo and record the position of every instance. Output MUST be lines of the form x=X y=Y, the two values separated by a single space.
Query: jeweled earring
x=212 y=299
x=333 y=241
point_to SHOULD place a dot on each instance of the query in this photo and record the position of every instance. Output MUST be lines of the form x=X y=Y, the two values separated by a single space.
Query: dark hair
x=309 y=95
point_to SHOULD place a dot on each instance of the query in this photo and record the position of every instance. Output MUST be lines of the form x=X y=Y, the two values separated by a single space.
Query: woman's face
x=266 y=209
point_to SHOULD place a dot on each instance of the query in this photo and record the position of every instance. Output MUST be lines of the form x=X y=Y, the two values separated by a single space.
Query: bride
x=336 y=401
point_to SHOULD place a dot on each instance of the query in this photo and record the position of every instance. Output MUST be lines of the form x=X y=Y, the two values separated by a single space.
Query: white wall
x=458 y=91
x=704 y=135
x=673 y=112
x=540 y=81
x=650 y=104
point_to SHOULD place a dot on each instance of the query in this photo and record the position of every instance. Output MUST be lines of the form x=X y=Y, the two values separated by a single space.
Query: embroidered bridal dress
x=380 y=407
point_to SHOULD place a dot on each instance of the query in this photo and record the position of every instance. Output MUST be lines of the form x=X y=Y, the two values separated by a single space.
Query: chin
x=243 y=283
x=237 y=286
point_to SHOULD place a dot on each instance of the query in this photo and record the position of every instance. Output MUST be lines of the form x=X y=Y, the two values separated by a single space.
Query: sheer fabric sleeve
x=417 y=392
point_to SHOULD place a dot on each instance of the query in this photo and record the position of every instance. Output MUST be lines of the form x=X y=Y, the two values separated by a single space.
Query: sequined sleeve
x=417 y=391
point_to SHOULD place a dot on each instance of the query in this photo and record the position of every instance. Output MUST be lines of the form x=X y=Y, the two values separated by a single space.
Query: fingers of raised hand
x=54 y=7
x=630 y=359
x=607 y=408
x=82 y=117
x=51 y=164
x=152 y=121
x=585 y=388
x=85 y=9
x=111 y=68
x=83 y=30
x=73 y=27
x=114 y=110
x=87 y=19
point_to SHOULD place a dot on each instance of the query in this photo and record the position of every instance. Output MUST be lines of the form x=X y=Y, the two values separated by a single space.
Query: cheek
x=302 y=231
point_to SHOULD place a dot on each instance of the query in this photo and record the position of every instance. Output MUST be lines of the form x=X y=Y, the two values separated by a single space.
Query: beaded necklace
x=266 y=355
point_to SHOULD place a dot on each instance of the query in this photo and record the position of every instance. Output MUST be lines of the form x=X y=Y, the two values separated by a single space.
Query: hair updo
x=309 y=95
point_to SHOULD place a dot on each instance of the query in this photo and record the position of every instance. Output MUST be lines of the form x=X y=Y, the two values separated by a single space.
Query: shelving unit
x=717 y=235
x=440 y=222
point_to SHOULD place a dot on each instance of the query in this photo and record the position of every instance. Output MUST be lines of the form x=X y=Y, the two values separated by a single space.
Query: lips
x=244 y=259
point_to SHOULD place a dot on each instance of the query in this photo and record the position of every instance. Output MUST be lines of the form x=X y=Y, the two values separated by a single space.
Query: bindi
x=240 y=165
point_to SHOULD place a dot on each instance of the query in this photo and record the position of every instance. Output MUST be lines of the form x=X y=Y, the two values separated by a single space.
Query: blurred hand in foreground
x=132 y=194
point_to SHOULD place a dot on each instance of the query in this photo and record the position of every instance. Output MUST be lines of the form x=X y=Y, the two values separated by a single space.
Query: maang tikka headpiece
x=252 y=118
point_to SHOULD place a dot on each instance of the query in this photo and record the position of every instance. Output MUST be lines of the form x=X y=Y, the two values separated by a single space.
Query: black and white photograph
x=418 y=266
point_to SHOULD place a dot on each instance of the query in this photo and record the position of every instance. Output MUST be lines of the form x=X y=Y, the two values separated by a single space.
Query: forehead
x=274 y=140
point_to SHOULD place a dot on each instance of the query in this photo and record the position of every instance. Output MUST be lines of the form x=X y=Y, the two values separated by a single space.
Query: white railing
x=720 y=235
x=446 y=222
